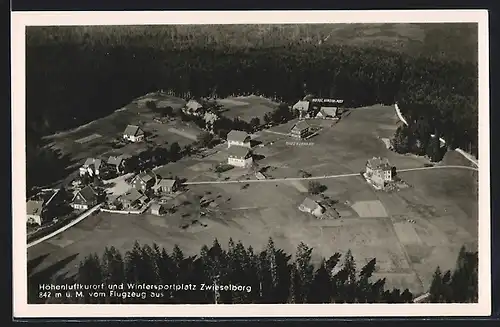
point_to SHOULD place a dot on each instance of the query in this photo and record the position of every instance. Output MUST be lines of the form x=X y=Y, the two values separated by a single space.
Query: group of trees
x=77 y=80
x=268 y=276
x=459 y=285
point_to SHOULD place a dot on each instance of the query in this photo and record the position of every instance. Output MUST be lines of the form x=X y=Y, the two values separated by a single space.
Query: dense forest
x=75 y=75
x=268 y=276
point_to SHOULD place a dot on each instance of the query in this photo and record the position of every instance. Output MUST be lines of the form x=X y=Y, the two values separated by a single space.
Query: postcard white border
x=23 y=310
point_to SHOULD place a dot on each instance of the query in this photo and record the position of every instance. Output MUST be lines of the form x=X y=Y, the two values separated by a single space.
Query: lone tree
x=314 y=188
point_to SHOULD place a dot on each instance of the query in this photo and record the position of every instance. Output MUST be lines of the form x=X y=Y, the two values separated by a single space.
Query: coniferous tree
x=305 y=271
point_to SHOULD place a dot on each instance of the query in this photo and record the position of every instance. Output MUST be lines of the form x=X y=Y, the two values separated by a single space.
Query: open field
x=247 y=107
x=96 y=138
x=373 y=224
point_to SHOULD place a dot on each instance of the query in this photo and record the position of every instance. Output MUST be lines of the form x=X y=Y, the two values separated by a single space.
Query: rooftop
x=238 y=136
x=310 y=204
x=238 y=151
x=378 y=163
x=301 y=125
x=87 y=193
x=132 y=195
x=165 y=183
x=34 y=207
x=132 y=130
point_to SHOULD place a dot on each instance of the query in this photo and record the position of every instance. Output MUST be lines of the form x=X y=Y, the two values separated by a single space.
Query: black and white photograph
x=251 y=163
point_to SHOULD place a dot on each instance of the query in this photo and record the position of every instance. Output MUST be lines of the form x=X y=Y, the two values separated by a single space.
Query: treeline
x=73 y=82
x=459 y=285
x=269 y=276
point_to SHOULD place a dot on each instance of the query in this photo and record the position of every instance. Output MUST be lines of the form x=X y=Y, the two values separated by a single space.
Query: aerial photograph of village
x=228 y=164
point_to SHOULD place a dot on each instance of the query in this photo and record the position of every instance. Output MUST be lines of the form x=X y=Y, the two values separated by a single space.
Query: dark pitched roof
x=237 y=136
x=132 y=195
x=112 y=160
x=238 y=151
x=301 y=125
x=378 y=163
x=87 y=193
x=328 y=111
x=34 y=207
x=132 y=130
x=146 y=176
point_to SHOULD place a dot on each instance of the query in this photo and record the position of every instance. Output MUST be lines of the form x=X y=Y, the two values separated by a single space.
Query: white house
x=133 y=133
x=194 y=108
x=239 y=156
x=84 y=199
x=303 y=107
x=34 y=212
x=378 y=170
x=91 y=167
x=300 y=130
x=327 y=113
x=165 y=186
x=312 y=207
x=238 y=138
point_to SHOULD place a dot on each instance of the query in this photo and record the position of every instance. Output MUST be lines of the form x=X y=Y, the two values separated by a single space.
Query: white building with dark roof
x=84 y=198
x=379 y=170
x=239 y=156
x=300 y=130
x=194 y=108
x=312 y=207
x=91 y=167
x=133 y=133
x=165 y=186
x=34 y=212
x=238 y=138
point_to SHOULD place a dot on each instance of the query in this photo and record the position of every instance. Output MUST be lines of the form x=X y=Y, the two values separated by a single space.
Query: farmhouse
x=194 y=108
x=327 y=113
x=116 y=162
x=312 y=207
x=157 y=209
x=133 y=133
x=239 y=156
x=91 y=167
x=84 y=198
x=303 y=107
x=379 y=171
x=144 y=180
x=132 y=198
x=165 y=186
x=238 y=138
x=35 y=212
x=300 y=130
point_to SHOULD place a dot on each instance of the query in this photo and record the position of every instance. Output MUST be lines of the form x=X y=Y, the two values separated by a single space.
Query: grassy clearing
x=441 y=203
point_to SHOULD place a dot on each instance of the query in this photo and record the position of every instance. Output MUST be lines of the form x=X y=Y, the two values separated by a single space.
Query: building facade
x=300 y=130
x=239 y=156
x=379 y=171
x=144 y=181
x=133 y=133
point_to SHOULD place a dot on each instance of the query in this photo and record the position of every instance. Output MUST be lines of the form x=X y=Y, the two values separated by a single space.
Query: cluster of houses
x=319 y=108
x=144 y=186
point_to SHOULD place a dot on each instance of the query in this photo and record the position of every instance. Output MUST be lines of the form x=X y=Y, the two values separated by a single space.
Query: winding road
x=321 y=177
